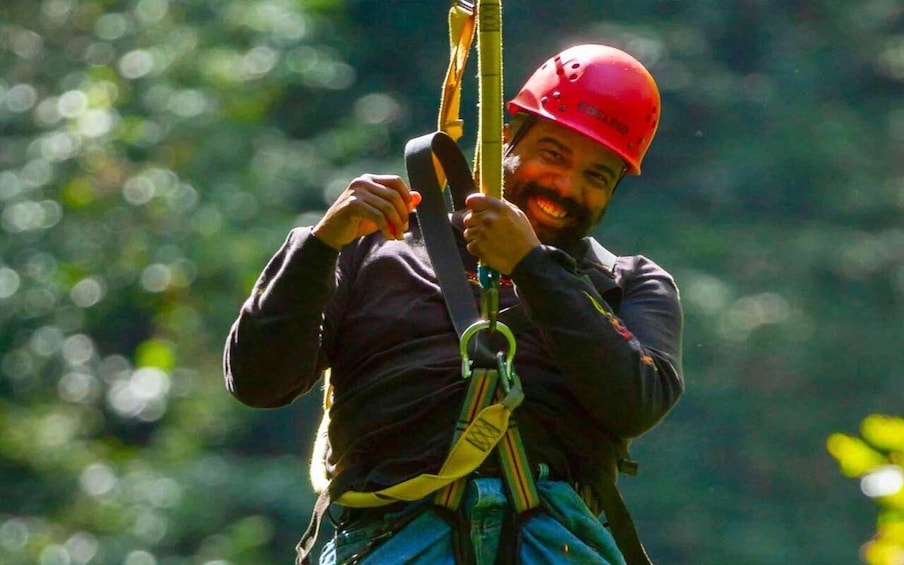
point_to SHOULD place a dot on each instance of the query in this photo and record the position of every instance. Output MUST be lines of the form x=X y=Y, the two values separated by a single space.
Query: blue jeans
x=567 y=533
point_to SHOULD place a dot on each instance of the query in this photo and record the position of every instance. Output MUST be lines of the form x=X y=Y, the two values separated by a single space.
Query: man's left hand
x=497 y=232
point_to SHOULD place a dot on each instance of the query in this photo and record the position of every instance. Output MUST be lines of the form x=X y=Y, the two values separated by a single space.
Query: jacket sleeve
x=625 y=371
x=272 y=354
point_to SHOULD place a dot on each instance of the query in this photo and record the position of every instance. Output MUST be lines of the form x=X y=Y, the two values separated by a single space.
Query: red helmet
x=598 y=91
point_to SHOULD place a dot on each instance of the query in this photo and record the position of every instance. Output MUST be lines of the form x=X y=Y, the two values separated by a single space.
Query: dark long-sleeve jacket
x=374 y=314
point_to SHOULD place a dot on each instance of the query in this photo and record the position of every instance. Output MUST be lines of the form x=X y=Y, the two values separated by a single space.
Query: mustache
x=575 y=210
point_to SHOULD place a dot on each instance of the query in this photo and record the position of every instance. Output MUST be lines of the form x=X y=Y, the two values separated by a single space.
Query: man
x=600 y=361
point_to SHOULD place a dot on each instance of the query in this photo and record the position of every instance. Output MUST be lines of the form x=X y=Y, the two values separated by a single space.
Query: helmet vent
x=575 y=74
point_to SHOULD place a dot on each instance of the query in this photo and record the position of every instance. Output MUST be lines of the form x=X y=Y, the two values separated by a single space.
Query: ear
x=506 y=133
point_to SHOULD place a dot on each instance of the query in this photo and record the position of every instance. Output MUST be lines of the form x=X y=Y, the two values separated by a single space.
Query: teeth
x=550 y=208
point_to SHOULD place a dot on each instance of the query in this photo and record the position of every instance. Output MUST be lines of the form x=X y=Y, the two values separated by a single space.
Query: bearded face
x=562 y=180
x=575 y=224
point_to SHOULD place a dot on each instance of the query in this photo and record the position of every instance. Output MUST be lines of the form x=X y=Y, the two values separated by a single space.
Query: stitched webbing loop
x=466 y=455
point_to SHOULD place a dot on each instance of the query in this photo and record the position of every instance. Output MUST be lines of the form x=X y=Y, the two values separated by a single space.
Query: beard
x=581 y=220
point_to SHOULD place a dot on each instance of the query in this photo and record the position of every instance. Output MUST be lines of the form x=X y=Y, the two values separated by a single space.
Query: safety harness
x=485 y=424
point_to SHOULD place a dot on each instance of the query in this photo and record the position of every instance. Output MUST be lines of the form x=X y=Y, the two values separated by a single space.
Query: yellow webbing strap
x=462 y=22
x=466 y=455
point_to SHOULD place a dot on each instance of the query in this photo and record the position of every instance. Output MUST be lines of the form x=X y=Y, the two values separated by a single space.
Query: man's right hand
x=369 y=203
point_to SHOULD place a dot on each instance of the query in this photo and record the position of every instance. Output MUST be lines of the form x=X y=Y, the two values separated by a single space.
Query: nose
x=567 y=185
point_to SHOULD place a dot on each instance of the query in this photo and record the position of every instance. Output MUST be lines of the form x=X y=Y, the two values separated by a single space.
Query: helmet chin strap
x=529 y=120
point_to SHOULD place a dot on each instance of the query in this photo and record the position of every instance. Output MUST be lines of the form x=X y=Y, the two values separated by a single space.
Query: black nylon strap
x=623 y=529
x=433 y=219
x=462 y=548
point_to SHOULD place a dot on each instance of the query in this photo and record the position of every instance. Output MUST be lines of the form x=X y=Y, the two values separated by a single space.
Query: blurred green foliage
x=877 y=459
x=154 y=153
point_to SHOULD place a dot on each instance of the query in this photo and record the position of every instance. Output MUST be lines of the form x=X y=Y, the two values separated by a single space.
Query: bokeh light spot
x=47 y=341
x=28 y=216
x=138 y=190
x=110 y=27
x=9 y=282
x=188 y=103
x=150 y=527
x=78 y=349
x=82 y=546
x=87 y=292
x=47 y=112
x=95 y=123
x=98 y=479
x=149 y=383
x=78 y=387
x=155 y=353
x=36 y=173
x=57 y=9
x=884 y=481
x=156 y=277
x=26 y=43
x=377 y=109
x=136 y=64
x=259 y=61
x=140 y=557
x=54 y=555
x=56 y=430
x=14 y=534
x=60 y=146
x=20 y=98
x=72 y=104
x=151 y=11
x=10 y=185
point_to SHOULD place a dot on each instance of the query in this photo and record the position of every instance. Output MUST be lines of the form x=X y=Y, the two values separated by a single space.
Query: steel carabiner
x=471 y=331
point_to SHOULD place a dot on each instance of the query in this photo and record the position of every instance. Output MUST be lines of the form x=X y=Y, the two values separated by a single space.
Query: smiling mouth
x=550 y=208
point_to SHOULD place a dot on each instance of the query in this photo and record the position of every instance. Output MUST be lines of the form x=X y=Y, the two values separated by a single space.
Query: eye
x=552 y=154
x=599 y=180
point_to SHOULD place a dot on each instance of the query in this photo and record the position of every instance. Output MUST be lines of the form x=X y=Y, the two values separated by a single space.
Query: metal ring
x=471 y=331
